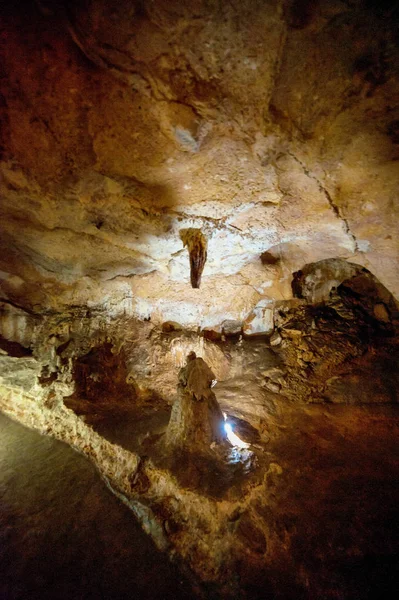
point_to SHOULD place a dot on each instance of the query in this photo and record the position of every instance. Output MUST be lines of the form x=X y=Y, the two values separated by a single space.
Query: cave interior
x=199 y=292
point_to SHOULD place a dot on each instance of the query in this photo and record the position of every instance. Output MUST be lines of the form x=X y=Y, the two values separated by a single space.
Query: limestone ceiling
x=271 y=126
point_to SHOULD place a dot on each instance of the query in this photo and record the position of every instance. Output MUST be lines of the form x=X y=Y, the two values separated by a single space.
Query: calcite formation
x=149 y=148
x=196 y=422
x=196 y=244
x=268 y=126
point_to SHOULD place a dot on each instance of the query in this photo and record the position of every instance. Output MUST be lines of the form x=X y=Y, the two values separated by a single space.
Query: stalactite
x=196 y=244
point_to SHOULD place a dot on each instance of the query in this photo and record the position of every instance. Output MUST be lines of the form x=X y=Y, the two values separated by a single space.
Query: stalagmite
x=196 y=420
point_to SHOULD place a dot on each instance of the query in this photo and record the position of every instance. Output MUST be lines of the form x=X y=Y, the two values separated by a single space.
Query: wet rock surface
x=55 y=539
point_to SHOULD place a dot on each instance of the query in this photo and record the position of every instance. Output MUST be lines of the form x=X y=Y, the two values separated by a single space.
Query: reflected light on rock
x=180 y=348
x=231 y=436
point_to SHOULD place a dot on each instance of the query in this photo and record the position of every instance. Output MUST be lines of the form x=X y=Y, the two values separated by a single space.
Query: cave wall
x=271 y=126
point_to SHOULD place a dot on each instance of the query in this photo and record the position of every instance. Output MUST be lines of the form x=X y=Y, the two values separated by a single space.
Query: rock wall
x=242 y=524
x=270 y=126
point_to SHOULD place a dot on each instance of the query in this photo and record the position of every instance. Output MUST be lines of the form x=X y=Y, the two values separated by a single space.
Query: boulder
x=381 y=313
x=170 y=326
x=214 y=334
x=231 y=327
x=275 y=339
x=259 y=322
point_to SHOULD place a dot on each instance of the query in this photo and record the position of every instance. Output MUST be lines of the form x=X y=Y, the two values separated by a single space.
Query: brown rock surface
x=270 y=130
x=122 y=126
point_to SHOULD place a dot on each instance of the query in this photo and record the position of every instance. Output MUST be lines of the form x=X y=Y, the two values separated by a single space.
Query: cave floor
x=64 y=535
x=329 y=481
x=331 y=508
x=326 y=481
x=141 y=430
x=133 y=429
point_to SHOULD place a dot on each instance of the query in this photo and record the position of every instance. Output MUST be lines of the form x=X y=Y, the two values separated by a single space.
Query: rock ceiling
x=272 y=127
x=262 y=135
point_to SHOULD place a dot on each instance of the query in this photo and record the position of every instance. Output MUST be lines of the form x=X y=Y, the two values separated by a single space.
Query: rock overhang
x=224 y=119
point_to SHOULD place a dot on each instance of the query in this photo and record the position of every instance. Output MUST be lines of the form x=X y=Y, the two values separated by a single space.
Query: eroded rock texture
x=316 y=401
x=271 y=126
x=264 y=136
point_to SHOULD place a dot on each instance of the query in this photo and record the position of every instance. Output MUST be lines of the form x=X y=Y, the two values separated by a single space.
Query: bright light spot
x=232 y=437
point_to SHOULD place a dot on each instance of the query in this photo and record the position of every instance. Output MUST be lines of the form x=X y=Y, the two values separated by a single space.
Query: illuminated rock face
x=259 y=322
x=271 y=128
x=269 y=131
x=106 y=387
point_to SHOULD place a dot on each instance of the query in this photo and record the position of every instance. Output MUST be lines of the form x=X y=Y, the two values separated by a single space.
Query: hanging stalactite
x=196 y=244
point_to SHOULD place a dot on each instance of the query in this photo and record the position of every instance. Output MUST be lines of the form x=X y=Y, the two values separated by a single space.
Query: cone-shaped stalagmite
x=196 y=420
x=196 y=244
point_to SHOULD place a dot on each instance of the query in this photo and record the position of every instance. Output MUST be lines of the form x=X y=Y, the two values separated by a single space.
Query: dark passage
x=63 y=535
